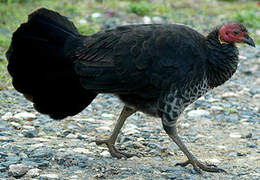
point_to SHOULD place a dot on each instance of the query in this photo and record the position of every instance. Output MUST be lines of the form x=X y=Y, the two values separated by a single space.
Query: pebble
x=3 y=125
x=83 y=21
x=3 y=169
x=147 y=20
x=25 y=116
x=242 y=57
x=130 y=129
x=18 y=170
x=82 y=150
x=216 y=108
x=71 y=136
x=198 y=113
x=105 y=154
x=251 y=145
x=33 y=172
x=229 y=94
x=50 y=176
x=13 y=159
x=7 y=116
x=106 y=115
x=42 y=153
x=16 y=125
x=214 y=160
x=96 y=15
x=157 y=20
x=258 y=32
x=235 y=135
x=30 y=133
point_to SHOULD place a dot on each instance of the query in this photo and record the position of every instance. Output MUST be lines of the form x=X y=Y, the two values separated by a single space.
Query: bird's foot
x=197 y=165
x=113 y=151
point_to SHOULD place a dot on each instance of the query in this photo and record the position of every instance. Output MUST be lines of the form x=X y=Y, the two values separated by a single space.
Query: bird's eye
x=236 y=31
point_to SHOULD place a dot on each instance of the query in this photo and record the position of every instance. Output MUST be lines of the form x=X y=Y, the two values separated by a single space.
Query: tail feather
x=40 y=69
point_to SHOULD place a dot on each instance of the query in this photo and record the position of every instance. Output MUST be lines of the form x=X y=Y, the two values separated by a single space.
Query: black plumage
x=158 y=69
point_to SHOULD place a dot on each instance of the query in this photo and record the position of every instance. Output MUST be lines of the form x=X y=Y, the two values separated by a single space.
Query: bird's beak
x=249 y=41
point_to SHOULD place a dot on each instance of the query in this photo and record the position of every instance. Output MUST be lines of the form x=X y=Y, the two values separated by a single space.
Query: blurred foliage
x=249 y=17
x=201 y=14
x=141 y=8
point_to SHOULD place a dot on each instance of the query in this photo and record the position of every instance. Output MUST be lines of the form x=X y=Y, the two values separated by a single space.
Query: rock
x=71 y=136
x=258 y=32
x=83 y=21
x=25 y=116
x=249 y=135
x=123 y=139
x=157 y=20
x=81 y=150
x=216 y=108
x=242 y=57
x=102 y=129
x=105 y=154
x=198 y=113
x=229 y=95
x=3 y=155
x=96 y=15
x=235 y=135
x=30 y=133
x=16 y=125
x=251 y=145
x=13 y=159
x=42 y=153
x=232 y=154
x=213 y=160
x=147 y=20
x=256 y=100
x=33 y=172
x=49 y=176
x=3 y=125
x=5 y=138
x=106 y=115
x=28 y=127
x=4 y=175
x=130 y=129
x=171 y=176
x=154 y=145
x=2 y=169
x=18 y=170
x=7 y=116
x=66 y=132
x=241 y=154
x=146 y=170
x=173 y=147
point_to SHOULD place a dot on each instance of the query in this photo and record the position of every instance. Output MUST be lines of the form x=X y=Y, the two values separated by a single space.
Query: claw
x=197 y=165
x=183 y=164
x=113 y=151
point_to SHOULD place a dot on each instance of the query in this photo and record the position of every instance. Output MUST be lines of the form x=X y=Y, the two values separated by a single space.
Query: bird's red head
x=235 y=32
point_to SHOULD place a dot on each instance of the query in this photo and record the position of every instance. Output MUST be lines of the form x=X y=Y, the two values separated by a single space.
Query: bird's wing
x=135 y=58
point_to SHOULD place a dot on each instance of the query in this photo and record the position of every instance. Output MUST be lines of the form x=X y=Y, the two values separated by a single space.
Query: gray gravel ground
x=221 y=128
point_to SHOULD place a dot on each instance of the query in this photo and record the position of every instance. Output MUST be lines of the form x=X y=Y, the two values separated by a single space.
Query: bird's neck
x=222 y=59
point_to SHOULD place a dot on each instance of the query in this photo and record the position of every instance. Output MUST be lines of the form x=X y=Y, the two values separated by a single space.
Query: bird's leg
x=110 y=142
x=197 y=165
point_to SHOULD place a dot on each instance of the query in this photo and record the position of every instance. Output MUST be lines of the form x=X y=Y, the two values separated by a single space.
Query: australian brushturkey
x=158 y=69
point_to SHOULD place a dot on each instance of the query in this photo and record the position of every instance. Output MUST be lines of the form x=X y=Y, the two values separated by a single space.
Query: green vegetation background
x=201 y=14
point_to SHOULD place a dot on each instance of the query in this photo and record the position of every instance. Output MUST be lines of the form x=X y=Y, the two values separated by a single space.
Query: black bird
x=158 y=69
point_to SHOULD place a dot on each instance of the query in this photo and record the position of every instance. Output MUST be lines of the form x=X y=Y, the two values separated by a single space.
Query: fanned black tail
x=40 y=69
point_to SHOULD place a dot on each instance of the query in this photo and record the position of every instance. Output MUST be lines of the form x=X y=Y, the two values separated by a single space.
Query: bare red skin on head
x=227 y=34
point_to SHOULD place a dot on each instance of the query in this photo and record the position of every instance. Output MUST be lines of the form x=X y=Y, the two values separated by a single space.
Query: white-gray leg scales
x=172 y=106
x=110 y=142
x=197 y=165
